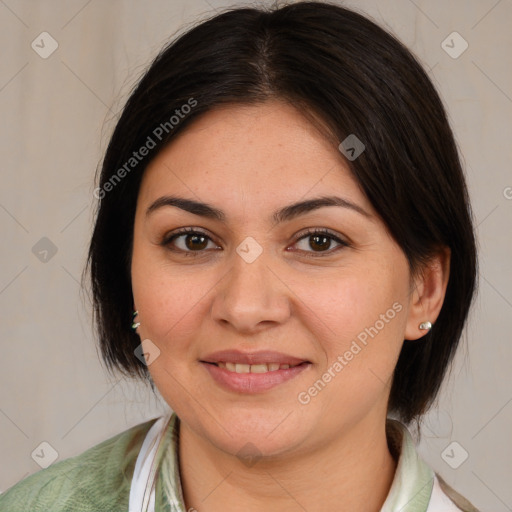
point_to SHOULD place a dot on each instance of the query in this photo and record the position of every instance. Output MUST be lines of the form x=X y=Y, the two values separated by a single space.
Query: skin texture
x=328 y=454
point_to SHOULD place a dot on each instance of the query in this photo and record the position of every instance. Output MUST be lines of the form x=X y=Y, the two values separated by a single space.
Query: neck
x=352 y=472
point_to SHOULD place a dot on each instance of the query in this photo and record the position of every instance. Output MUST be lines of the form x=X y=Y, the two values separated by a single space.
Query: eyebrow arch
x=284 y=214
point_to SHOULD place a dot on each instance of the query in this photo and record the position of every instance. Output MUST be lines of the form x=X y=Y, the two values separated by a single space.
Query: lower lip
x=253 y=382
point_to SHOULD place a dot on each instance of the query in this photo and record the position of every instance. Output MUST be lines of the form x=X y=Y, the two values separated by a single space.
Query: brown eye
x=320 y=242
x=188 y=241
x=195 y=242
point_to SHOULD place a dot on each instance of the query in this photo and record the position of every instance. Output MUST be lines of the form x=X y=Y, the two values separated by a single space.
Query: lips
x=253 y=382
x=252 y=358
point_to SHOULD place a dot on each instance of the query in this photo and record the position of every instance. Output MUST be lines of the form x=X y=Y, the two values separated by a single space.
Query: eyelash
x=308 y=233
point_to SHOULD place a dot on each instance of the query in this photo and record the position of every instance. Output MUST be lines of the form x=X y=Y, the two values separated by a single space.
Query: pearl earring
x=425 y=326
x=135 y=324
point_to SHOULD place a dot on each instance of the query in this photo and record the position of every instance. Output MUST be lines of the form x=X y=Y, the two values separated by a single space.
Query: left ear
x=428 y=292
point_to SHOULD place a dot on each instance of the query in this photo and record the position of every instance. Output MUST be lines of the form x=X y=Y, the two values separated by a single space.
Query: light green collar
x=414 y=479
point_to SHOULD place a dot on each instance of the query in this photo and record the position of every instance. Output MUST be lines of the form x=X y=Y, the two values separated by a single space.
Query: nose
x=251 y=296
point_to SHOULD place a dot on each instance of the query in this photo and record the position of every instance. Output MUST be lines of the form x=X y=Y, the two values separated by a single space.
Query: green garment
x=99 y=479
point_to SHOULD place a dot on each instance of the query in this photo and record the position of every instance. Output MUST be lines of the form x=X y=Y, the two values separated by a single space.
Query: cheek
x=360 y=317
x=171 y=299
x=169 y=304
x=363 y=339
x=346 y=306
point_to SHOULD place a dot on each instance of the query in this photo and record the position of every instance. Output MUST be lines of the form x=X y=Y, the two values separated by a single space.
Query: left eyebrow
x=284 y=214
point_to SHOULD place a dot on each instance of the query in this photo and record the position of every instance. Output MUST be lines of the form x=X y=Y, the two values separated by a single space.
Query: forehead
x=253 y=155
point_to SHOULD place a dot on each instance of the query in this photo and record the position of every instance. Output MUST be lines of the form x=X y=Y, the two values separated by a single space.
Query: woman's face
x=251 y=283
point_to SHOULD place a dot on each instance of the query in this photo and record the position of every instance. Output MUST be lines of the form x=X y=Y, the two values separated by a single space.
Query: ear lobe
x=428 y=294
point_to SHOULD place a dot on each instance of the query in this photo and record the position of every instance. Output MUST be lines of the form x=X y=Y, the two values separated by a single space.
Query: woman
x=284 y=247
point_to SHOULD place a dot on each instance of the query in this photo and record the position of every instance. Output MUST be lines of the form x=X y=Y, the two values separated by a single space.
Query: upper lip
x=262 y=357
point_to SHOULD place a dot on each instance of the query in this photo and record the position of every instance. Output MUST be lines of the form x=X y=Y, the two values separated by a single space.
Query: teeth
x=252 y=368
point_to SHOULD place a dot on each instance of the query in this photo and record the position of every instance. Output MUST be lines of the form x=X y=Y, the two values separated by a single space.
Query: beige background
x=56 y=115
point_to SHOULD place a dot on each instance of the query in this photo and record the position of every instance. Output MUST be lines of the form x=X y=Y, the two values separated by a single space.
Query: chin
x=255 y=434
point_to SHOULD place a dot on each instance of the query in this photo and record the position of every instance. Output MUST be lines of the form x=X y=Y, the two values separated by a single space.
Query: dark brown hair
x=336 y=66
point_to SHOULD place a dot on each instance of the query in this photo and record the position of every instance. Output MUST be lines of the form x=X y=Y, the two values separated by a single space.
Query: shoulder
x=446 y=498
x=414 y=473
x=96 y=480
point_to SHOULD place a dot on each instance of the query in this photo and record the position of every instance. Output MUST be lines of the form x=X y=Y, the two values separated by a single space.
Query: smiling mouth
x=254 y=368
